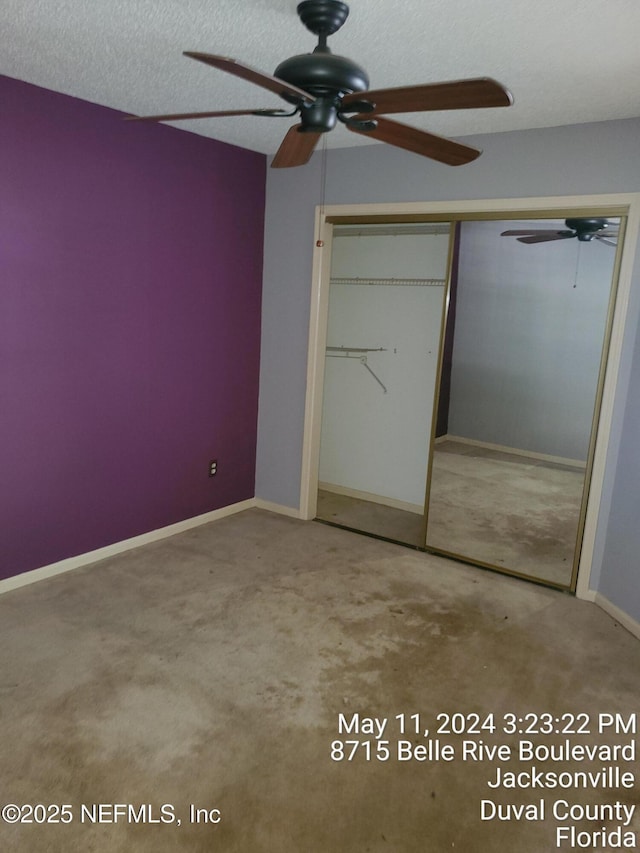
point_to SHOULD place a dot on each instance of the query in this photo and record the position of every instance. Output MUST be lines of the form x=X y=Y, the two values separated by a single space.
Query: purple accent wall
x=130 y=291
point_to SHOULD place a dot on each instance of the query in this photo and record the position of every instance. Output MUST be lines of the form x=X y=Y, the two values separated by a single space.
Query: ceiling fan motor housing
x=328 y=77
x=323 y=74
x=586 y=229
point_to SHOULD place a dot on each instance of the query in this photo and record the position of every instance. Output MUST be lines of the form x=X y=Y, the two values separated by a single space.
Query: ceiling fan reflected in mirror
x=322 y=89
x=584 y=229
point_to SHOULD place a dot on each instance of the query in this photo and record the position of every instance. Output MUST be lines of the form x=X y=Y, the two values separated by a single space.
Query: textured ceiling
x=565 y=61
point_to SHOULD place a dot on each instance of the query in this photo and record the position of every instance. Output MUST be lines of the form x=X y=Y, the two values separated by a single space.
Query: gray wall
x=530 y=324
x=573 y=160
x=620 y=574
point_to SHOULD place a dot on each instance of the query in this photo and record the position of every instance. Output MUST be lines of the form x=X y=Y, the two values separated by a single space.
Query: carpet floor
x=505 y=510
x=378 y=519
x=491 y=507
x=187 y=696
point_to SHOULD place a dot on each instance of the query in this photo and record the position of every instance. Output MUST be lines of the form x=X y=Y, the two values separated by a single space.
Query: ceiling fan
x=584 y=229
x=323 y=88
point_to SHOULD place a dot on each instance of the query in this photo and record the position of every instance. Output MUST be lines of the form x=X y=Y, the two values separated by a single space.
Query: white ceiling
x=565 y=61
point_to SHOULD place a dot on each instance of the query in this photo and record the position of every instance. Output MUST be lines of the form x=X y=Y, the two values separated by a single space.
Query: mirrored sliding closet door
x=526 y=340
x=465 y=362
x=386 y=299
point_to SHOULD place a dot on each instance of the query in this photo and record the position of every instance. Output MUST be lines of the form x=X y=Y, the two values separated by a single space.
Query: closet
x=385 y=313
x=463 y=372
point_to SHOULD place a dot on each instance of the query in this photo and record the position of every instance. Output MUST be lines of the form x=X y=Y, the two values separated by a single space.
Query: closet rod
x=356 y=349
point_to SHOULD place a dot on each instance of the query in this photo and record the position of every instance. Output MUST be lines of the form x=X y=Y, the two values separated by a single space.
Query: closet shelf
x=392 y=282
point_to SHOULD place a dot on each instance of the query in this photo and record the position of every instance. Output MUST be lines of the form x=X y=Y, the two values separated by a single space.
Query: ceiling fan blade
x=296 y=148
x=273 y=84
x=546 y=238
x=419 y=141
x=213 y=114
x=453 y=95
x=604 y=240
x=531 y=231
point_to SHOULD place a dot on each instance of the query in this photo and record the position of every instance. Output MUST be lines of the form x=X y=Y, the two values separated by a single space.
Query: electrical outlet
x=213 y=467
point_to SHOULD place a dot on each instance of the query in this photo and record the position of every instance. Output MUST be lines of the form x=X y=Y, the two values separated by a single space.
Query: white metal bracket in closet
x=360 y=354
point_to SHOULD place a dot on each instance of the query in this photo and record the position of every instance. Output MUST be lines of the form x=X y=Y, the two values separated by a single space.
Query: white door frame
x=626 y=204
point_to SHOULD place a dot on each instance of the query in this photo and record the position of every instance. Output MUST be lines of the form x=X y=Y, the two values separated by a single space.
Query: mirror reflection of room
x=505 y=467
x=514 y=427
x=383 y=337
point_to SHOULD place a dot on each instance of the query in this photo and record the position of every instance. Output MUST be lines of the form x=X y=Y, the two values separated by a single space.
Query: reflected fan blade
x=454 y=95
x=213 y=114
x=546 y=238
x=522 y=231
x=296 y=148
x=420 y=142
x=273 y=84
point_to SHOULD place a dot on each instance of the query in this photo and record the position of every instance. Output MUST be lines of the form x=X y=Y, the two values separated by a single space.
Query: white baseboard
x=90 y=557
x=281 y=509
x=501 y=448
x=619 y=615
x=119 y=547
x=394 y=503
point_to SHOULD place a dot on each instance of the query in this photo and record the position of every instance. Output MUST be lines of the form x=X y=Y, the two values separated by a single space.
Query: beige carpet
x=210 y=669
x=506 y=510
x=399 y=525
x=491 y=507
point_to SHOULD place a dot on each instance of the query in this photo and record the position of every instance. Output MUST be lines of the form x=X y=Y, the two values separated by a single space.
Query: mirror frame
x=625 y=205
